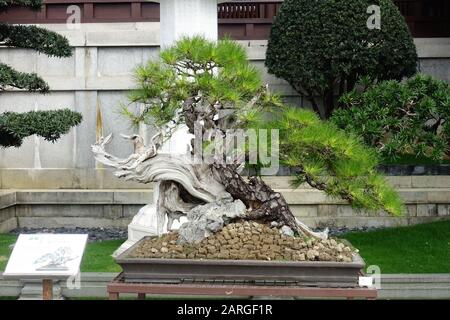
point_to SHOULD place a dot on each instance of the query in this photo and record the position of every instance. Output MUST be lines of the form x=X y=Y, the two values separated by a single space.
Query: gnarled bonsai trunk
x=263 y=203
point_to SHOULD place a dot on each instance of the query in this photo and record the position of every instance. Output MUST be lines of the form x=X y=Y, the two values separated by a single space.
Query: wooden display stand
x=118 y=286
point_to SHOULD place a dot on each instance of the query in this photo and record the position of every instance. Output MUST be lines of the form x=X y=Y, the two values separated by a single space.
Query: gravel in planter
x=245 y=241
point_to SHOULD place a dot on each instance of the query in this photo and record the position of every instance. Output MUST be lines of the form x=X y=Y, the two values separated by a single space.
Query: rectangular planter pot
x=309 y=273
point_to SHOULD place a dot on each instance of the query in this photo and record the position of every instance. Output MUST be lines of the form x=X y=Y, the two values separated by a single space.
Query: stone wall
x=94 y=81
x=427 y=199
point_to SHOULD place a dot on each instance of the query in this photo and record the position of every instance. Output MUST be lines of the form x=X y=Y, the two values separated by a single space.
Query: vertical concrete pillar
x=180 y=18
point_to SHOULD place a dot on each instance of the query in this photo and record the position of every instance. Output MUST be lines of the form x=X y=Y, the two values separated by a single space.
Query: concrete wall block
x=38 y=179
x=358 y=222
x=443 y=210
x=114 y=122
x=130 y=210
x=122 y=38
x=64 y=197
x=411 y=210
x=308 y=196
x=54 y=66
x=23 y=60
x=282 y=182
x=7 y=199
x=7 y=213
x=414 y=195
x=50 y=211
x=326 y=210
x=348 y=211
x=113 y=211
x=118 y=61
x=103 y=178
x=429 y=219
x=86 y=104
x=8 y=225
x=438 y=67
x=427 y=210
x=400 y=181
x=72 y=222
x=436 y=195
x=430 y=181
x=134 y=197
x=301 y=211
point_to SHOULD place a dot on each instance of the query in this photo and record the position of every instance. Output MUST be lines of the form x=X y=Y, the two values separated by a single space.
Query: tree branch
x=28 y=81
x=32 y=37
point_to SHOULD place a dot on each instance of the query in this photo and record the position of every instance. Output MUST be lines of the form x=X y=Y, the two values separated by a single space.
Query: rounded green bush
x=322 y=47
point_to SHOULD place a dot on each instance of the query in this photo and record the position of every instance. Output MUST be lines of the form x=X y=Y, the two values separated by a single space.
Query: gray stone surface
x=32 y=290
x=116 y=207
x=287 y=231
x=8 y=224
x=209 y=218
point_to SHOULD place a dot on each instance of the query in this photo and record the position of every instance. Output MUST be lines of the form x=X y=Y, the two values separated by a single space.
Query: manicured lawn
x=418 y=249
x=5 y=241
x=97 y=257
x=422 y=248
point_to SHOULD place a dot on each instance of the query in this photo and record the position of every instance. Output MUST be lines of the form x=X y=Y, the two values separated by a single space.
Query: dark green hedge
x=50 y=125
x=411 y=118
x=28 y=81
x=33 y=4
x=36 y=38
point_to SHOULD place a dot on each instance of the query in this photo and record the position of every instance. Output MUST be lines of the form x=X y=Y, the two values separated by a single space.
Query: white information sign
x=52 y=256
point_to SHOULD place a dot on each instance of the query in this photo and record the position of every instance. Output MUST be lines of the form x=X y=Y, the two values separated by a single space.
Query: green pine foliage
x=36 y=38
x=400 y=118
x=14 y=127
x=322 y=47
x=328 y=159
x=218 y=72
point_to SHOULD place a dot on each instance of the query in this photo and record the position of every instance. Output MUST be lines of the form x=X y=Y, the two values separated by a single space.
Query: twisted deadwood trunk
x=184 y=185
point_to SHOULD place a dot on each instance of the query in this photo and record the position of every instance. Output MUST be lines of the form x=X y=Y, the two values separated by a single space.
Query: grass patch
x=5 y=241
x=423 y=248
x=97 y=257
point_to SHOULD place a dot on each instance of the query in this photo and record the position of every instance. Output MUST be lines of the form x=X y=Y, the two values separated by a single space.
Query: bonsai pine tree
x=196 y=82
x=14 y=127
x=321 y=48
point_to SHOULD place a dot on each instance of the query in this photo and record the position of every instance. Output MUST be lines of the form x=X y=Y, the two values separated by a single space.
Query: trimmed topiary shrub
x=50 y=125
x=14 y=127
x=410 y=118
x=322 y=47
